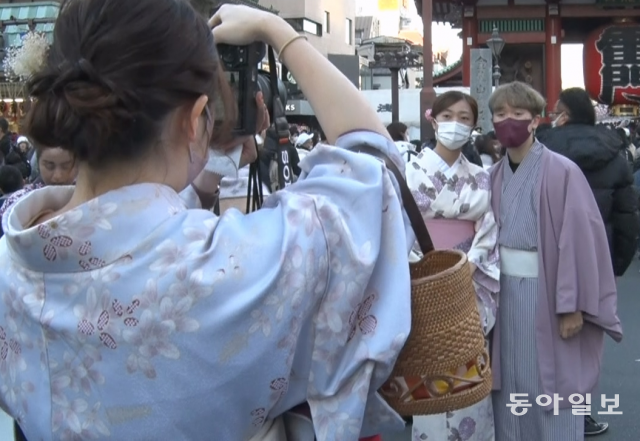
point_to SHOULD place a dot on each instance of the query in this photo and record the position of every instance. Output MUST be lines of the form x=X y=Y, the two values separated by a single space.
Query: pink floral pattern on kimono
x=131 y=316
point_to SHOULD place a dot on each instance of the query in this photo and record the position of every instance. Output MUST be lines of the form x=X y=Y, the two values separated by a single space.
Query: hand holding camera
x=338 y=105
x=241 y=25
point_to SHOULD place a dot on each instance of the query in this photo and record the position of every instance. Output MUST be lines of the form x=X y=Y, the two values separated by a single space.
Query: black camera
x=240 y=65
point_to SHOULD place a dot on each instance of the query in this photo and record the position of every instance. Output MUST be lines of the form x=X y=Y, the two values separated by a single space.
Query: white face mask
x=452 y=134
x=554 y=123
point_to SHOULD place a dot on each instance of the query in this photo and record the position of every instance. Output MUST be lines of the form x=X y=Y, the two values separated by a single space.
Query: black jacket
x=5 y=144
x=597 y=151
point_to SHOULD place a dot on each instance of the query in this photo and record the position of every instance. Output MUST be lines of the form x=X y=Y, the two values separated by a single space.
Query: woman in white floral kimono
x=454 y=198
x=127 y=316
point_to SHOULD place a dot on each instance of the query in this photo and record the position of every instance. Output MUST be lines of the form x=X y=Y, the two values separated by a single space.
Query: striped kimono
x=517 y=314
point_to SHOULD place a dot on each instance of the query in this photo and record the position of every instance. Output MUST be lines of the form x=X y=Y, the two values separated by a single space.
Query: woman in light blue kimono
x=126 y=315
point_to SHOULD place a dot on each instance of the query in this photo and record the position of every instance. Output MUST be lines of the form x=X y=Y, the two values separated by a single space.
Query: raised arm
x=338 y=105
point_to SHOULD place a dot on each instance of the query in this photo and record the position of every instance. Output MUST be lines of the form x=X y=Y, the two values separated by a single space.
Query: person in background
x=293 y=134
x=57 y=167
x=25 y=148
x=17 y=160
x=304 y=144
x=558 y=292
x=598 y=153
x=11 y=180
x=6 y=137
x=470 y=152
x=485 y=145
x=316 y=138
x=399 y=133
x=454 y=198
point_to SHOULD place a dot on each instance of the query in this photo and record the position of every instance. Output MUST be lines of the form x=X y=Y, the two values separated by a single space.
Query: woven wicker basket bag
x=444 y=365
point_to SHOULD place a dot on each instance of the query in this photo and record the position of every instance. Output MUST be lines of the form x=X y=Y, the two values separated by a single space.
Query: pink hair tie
x=427 y=115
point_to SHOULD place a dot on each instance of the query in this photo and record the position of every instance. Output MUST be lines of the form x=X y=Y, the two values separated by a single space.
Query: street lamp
x=395 y=56
x=496 y=44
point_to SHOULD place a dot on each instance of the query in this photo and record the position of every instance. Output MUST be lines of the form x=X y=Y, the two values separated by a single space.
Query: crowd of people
x=130 y=310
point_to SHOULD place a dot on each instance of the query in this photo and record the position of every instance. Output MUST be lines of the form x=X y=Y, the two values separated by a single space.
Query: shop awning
x=17 y=16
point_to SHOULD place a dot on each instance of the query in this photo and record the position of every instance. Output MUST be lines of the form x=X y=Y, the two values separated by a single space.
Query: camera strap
x=277 y=135
x=280 y=126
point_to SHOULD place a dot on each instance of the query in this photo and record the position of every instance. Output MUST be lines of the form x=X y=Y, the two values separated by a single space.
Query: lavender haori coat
x=575 y=274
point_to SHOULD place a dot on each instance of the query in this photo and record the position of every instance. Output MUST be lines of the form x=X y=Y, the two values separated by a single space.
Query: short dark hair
x=116 y=69
x=10 y=179
x=448 y=99
x=18 y=161
x=4 y=125
x=397 y=130
x=580 y=109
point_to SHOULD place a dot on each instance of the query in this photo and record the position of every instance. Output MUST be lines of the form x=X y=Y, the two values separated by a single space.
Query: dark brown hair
x=115 y=70
x=485 y=146
x=448 y=99
x=397 y=130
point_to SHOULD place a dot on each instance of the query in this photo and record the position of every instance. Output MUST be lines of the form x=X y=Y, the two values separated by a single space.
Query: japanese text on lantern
x=619 y=47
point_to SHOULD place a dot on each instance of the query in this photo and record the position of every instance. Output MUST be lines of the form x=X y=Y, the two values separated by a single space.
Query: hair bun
x=116 y=71
x=81 y=108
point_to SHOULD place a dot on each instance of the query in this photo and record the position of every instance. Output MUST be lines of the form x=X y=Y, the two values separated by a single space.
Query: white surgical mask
x=554 y=123
x=452 y=134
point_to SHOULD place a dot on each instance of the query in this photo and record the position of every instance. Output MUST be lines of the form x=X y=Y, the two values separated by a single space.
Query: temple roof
x=446 y=11
x=385 y=40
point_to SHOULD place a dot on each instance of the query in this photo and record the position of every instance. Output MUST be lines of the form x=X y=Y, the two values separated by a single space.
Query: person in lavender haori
x=557 y=287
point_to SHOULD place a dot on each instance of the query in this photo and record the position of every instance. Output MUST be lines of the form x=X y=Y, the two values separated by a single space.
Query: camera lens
x=264 y=85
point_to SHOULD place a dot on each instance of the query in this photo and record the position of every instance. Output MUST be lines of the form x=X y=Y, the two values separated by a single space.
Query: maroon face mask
x=511 y=132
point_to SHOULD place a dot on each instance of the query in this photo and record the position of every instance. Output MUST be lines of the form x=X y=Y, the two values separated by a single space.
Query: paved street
x=621 y=367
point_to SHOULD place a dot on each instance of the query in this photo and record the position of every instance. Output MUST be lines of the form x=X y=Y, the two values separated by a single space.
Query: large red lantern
x=612 y=64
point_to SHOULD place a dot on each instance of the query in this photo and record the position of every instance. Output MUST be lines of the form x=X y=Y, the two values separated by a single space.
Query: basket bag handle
x=413 y=212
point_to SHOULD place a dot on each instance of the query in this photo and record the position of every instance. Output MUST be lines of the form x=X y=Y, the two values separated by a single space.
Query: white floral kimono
x=132 y=317
x=456 y=205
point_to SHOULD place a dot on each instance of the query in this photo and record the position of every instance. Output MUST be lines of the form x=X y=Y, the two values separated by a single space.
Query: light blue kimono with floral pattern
x=132 y=317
